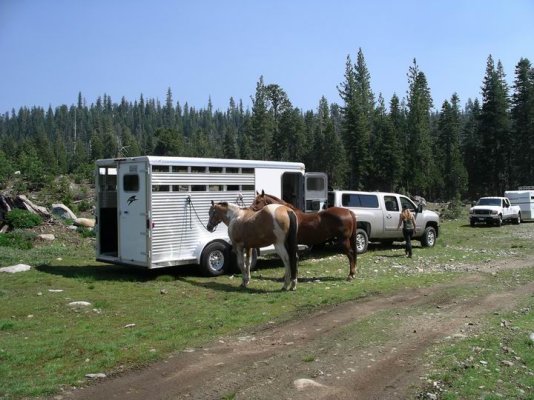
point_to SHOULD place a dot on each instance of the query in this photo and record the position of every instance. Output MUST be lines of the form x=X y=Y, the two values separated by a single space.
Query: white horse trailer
x=152 y=211
x=524 y=198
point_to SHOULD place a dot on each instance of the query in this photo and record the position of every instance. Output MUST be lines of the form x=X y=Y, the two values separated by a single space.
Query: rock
x=16 y=268
x=129 y=326
x=507 y=363
x=62 y=211
x=25 y=203
x=86 y=222
x=98 y=375
x=301 y=384
x=532 y=337
x=79 y=304
x=47 y=237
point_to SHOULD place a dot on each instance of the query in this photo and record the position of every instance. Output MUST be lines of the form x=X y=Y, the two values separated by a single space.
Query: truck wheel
x=362 y=241
x=517 y=220
x=215 y=259
x=429 y=237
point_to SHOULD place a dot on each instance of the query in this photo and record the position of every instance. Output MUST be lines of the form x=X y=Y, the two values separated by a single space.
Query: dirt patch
x=319 y=356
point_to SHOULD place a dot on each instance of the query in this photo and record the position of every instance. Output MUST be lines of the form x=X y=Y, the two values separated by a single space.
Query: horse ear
x=262 y=193
x=212 y=203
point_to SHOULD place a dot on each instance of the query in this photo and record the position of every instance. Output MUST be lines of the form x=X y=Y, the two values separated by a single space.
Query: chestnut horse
x=319 y=227
x=275 y=224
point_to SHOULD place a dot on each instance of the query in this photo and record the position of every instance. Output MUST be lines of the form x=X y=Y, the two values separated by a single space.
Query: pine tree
x=451 y=168
x=522 y=115
x=357 y=111
x=385 y=152
x=397 y=116
x=261 y=126
x=280 y=110
x=494 y=130
x=420 y=169
x=471 y=148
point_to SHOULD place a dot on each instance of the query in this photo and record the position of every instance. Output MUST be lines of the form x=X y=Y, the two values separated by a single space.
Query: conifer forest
x=407 y=144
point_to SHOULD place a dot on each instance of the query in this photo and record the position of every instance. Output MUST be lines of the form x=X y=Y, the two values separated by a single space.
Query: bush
x=17 y=240
x=454 y=210
x=85 y=232
x=22 y=219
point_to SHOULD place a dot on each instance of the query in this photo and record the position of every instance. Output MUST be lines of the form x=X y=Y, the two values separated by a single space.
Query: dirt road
x=319 y=356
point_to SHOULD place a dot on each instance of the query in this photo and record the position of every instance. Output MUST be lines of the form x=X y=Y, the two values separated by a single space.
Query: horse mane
x=279 y=201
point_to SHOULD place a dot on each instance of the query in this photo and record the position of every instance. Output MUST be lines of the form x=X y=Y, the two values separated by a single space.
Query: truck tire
x=517 y=220
x=429 y=237
x=216 y=259
x=362 y=241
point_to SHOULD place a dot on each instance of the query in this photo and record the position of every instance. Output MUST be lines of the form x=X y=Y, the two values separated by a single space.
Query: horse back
x=261 y=228
x=318 y=227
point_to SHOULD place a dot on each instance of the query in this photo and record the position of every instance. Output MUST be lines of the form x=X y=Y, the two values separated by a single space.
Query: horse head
x=216 y=215
x=260 y=201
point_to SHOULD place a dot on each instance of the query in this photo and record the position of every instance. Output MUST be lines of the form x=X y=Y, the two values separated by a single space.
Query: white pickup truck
x=494 y=211
x=378 y=216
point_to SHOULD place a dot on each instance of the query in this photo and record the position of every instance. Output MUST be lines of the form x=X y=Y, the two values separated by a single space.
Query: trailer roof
x=199 y=161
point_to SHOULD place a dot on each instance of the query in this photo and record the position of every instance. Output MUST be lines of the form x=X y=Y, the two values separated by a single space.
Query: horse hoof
x=350 y=278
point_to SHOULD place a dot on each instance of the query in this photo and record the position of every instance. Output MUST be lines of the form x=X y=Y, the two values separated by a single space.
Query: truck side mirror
x=419 y=208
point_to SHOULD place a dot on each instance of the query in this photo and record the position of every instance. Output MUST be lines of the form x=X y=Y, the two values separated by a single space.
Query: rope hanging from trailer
x=192 y=206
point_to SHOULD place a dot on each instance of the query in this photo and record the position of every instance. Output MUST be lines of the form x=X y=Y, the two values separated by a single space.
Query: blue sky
x=53 y=49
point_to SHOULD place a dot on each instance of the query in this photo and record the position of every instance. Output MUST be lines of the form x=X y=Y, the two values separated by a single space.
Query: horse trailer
x=524 y=198
x=152 y=211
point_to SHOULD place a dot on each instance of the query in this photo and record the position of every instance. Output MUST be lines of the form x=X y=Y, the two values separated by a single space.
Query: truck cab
x=378 y=215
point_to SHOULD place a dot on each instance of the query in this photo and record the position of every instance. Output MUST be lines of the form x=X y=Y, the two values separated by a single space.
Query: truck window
x=391 y=203
x=359 y=200
x=405 y=202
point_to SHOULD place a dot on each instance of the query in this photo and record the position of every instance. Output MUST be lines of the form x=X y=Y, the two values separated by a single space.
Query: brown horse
x=319 y=227
x=275 y=224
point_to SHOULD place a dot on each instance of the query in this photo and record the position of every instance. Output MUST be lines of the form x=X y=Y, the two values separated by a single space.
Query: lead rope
x=192 y=206
x=239 y=201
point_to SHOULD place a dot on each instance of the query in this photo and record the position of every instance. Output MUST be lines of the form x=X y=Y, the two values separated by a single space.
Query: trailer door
x=133 y=213
x=315 y=191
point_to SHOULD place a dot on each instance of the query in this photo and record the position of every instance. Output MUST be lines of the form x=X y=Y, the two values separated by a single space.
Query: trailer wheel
x=216 y=259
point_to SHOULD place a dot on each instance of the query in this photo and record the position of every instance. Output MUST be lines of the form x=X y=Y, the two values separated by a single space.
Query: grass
x=138 y=316
x=498 y=363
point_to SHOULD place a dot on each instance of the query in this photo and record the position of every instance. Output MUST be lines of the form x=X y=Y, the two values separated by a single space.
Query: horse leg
x=351 y=255
x=241 y=264
x=246 y=272
x=282 y=252
x=291 y=246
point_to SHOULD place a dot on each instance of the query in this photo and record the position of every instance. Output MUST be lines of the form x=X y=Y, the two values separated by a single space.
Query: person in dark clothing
x=407 y=220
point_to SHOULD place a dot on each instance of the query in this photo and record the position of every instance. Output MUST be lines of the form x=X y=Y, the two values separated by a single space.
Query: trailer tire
x=216 y=259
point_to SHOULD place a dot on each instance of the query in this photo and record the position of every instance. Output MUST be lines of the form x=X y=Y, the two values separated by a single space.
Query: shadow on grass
x=110 y=272
x=226 y=287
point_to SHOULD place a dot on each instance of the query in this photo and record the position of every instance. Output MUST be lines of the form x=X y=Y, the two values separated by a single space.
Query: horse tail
x=291 y=243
